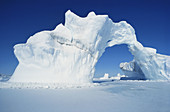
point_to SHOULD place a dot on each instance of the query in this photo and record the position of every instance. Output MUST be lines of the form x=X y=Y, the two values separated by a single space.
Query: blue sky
x=19 y=19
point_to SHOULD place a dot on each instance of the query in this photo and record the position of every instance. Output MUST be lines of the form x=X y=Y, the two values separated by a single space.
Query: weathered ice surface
x=69 y=53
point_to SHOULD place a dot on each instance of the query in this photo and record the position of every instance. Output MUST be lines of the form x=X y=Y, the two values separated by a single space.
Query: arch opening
x=110 y=60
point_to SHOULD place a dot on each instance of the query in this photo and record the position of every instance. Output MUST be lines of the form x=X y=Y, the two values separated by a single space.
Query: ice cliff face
x=147 y=63
x=69 y=53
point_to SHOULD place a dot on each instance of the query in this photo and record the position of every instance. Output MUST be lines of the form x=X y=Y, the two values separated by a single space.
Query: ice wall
x=69 y=53
x=148 y=63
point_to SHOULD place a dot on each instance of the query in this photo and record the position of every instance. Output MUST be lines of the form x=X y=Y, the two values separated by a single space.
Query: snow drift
x=69 y=53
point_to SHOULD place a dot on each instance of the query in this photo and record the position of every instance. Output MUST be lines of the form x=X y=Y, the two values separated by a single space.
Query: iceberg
x=69 y=53
x=107 y=78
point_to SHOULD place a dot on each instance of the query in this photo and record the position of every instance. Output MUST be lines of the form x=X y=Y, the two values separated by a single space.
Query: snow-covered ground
x=116 y=96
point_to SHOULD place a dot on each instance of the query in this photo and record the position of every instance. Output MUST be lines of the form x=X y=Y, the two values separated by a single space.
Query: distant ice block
x=69 y=53
x=132 y=70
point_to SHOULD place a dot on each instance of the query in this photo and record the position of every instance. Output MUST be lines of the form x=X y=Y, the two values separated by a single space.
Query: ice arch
x=69 y=53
